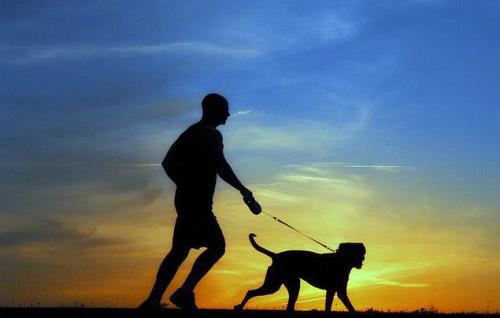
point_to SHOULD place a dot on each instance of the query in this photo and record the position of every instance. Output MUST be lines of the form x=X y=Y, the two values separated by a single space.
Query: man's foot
x=183 y=299
x=238 y=307
x=150 y=306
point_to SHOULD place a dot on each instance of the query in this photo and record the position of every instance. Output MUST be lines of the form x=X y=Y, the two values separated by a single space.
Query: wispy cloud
x=317 y=167
x=258 y=137
x=385 y=282
x=331 y=27
x=227 y=272
x=388 y=282
x=242 y=112
x=271 y=195
x=73 y=164
x=316 y=295
x=24 y=55
x=389 y=168
x=133 y=165
x=308 y=178
x=54 y=234
x=315 y=27
x=302 y=136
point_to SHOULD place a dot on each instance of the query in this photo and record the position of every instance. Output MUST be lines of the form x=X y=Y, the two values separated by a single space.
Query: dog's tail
x=259 y=248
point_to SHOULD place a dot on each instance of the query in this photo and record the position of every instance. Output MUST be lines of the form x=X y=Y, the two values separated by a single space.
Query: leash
x=298 y=231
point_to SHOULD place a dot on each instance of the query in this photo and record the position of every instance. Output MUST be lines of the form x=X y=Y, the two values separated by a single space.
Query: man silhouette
x=193 y=163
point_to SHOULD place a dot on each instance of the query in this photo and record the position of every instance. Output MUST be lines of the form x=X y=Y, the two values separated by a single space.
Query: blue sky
x=401 y=95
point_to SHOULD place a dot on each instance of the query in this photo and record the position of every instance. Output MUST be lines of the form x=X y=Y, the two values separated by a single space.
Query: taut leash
x=298 y=231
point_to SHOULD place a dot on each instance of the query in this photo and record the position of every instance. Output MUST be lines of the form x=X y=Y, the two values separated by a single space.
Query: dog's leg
x=271 y=284
x=293 y=287
x=329 y=299
x=343 y=297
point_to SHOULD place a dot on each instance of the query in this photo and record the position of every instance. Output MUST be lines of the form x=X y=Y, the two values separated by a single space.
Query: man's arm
x=227 y=174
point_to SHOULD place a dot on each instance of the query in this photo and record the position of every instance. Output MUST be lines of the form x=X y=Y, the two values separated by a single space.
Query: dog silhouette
x=328 y=271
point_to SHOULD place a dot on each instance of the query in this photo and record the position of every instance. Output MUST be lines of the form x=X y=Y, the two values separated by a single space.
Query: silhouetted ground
x=211 y=313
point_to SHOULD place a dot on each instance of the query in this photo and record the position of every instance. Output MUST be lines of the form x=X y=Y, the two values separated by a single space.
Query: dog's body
x=325 y=271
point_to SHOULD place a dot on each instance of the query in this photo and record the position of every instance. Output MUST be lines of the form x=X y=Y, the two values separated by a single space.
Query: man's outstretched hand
x=250 y=201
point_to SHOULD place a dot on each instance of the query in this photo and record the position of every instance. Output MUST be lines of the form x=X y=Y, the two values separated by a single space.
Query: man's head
x=215 y=109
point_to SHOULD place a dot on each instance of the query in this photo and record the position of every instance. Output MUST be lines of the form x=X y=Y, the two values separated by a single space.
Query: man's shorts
x=196 y=232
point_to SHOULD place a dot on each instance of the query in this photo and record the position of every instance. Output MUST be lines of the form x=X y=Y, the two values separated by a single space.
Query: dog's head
x=353 y=253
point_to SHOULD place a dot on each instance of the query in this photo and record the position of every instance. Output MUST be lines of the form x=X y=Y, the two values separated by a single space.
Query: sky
x=354 y=121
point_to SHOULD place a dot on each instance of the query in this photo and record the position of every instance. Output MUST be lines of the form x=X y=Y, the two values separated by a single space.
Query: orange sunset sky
x=354 y=121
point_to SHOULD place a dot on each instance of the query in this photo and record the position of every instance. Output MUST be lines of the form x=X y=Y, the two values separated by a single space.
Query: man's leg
x=166 y=272
x=215 y=250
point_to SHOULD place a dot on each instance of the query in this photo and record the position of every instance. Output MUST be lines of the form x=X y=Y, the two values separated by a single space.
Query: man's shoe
x=149 y=306
x=183 y=299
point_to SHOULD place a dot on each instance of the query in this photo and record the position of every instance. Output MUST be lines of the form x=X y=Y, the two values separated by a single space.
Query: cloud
x=74 y=164
x=315 y=26
x=298 y=135
x=272 y=195
x=376 y=167
x=52 y=233
x=330 y=26
x=316 y=167
x=83 y=154
x=144 y=198
x=242 y=112
x=21 y=55
x=388 y=282
x=260 y=137
x=312 y=179
x=384 y=282
x=133 y=165
x=226 y=272
x=320 y=179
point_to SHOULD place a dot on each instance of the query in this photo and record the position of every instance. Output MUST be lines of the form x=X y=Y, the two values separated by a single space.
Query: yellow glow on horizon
x=410 y=263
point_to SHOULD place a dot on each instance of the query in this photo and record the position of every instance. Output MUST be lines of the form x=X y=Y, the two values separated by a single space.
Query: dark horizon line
x=125 y=312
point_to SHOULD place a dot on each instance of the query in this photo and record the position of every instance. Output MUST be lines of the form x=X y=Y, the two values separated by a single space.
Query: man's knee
x=178 y=253
x=218 y=249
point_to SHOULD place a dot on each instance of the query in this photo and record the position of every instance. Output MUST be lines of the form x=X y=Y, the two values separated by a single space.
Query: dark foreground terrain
x=211 y=313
